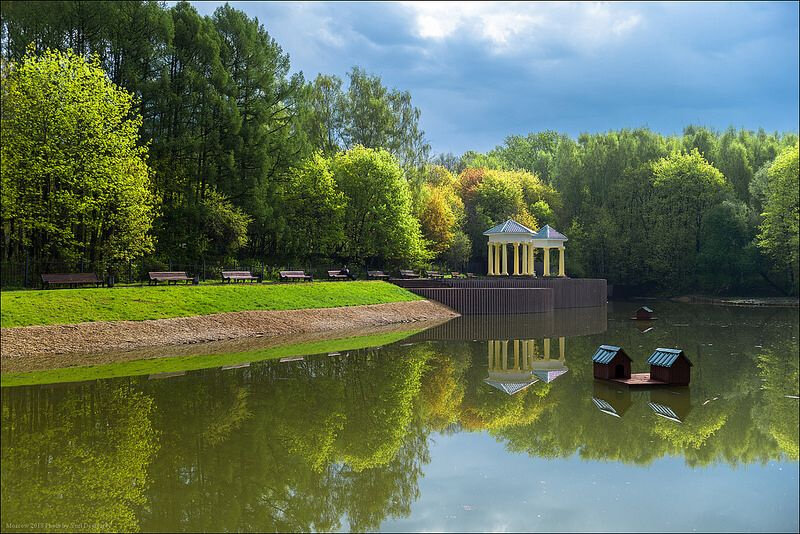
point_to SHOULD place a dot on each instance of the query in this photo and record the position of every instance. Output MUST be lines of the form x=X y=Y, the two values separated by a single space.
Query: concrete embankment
x=25 y=348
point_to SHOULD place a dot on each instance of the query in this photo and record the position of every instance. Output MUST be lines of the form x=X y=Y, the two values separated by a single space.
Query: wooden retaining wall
x=566 y=292
x=485 y=300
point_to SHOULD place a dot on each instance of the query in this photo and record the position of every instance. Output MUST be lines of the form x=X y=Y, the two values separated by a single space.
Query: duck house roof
x=666 y=357
x=606 y=353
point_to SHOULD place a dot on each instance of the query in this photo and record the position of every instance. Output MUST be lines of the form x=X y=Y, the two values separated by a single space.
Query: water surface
x=490 y=423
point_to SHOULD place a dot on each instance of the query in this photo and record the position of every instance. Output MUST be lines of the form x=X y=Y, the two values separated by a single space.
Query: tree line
x=133 y=130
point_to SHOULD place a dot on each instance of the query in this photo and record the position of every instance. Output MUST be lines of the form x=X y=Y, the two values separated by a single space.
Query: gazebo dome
x=547 y=232
x=509 y=227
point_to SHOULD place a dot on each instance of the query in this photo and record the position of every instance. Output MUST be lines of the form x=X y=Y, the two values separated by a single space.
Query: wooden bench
x=377 y=275
x=406 y=273
x=435 y=274
x=70 y=279
x=288 y=276
x=169 y=276
x=238 y=276
x=338 y=274
x=456 y=274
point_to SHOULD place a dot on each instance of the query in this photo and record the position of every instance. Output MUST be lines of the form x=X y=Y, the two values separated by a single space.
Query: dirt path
x=40 y=347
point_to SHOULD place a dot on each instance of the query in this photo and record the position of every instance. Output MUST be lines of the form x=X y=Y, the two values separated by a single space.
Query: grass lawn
x=69 y=306
x=172 y=364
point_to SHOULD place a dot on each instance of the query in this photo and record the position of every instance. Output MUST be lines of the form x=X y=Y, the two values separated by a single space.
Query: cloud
x=517 y=27
x=479 y=71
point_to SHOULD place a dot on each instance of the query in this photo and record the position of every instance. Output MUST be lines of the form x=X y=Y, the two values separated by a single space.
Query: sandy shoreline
x=51 y=346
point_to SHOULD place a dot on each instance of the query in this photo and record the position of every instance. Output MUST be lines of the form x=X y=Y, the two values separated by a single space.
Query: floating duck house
x=670 y=366
x=643 y=314
x=611 y=362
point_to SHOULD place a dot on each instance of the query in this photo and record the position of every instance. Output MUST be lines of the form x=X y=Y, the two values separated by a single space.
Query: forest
x=140 y=134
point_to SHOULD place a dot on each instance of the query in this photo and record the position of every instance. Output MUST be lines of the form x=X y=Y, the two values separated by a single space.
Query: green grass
x=173 y=364
x=70 y=306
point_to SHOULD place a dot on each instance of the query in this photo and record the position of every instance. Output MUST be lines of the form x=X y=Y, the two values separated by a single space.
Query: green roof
x=606 y=353
x=665 y=357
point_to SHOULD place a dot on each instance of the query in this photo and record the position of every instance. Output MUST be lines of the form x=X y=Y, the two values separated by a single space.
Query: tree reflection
x=340 y=441
x=76 y=458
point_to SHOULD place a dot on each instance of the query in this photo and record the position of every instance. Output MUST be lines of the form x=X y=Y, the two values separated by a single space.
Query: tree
x=76 y=183
x=379 y=222
x=686 y=187
x=314 y=210
x=377 y=117
x=778 y=233
x=323 y=107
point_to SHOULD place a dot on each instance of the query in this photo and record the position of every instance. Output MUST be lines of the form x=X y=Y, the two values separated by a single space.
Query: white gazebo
x=525 y=242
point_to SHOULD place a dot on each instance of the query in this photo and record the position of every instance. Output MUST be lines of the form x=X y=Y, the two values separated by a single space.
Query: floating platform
x=639 y=380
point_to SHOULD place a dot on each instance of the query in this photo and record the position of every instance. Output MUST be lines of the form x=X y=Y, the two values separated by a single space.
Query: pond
x=480 y=424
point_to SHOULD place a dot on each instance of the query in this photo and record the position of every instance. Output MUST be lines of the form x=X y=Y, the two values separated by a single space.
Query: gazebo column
x=516 y=354
x=505 y=259
x=490 y=257
x=561 y=262
x=516 y=259
x=490 y=345
x=505 y=354
x=525 y=362
x=532 y=260
x=524 y=255
x=547 y=348
x=561 y=348
x=496 y=259
x=546 y=261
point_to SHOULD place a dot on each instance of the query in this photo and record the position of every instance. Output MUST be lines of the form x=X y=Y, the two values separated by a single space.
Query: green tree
x=75 y=179
x=686 y=187
x=379 y=222
x=778 y=233
x=378 y=117
x=314 y=210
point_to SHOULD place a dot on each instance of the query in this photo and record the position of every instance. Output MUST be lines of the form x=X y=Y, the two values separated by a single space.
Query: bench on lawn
x=287 y=276
x=377 y=275
x=238 y=276
x=456 y=274
x=435 y=274
x=406 y=273
x=169 y=276
x=70 y=279
x=339 y=274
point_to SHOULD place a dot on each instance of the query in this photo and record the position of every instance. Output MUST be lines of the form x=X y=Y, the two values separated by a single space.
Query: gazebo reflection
x=515 y=365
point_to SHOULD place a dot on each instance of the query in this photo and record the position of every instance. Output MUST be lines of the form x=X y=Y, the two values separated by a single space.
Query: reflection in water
x=529 y=365
x=341 y=441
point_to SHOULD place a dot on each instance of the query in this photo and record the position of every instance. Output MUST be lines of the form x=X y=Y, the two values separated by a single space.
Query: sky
x=482 y=71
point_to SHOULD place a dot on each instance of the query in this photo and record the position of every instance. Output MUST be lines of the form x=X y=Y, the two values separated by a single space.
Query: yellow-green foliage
x=74 y=175
x=778 y=236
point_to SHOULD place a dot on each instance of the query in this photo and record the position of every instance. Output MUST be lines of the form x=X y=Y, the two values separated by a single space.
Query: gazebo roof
x=509 y=227
x=511 y=388
x=548 y=376
x=546 y=232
